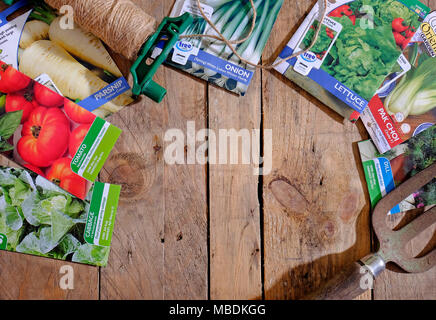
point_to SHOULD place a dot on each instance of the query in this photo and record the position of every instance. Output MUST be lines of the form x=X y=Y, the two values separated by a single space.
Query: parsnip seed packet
x=39 y=43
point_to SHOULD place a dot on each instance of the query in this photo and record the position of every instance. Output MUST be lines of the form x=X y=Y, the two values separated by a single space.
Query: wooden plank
x=316 y=213
x=399 y=286
x=160 y=238
x=29 y=277
x=33 y=278
x=235 y=244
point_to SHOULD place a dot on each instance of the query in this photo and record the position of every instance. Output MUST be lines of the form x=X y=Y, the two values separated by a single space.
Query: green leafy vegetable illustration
x=416 y=93
x=9 y=123
x=366 y=50
x=39 y=218
x=421 y=153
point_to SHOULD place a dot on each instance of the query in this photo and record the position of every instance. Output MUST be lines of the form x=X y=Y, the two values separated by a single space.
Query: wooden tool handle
x=347 y=285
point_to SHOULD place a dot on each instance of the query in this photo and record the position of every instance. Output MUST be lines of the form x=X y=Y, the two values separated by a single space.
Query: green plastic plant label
x=95 y=149
x=101 y=216
x=3 y=241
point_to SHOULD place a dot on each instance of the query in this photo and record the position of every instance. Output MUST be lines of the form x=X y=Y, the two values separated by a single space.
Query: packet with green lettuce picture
x=39 y=218
x=360 y=44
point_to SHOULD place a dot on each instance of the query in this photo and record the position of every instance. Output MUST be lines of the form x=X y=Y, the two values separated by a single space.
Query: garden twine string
x=121 y=24
x=322 y=3
x=124 y=27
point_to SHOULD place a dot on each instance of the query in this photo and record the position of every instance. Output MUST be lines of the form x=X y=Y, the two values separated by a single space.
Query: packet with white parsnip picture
x=36 y=41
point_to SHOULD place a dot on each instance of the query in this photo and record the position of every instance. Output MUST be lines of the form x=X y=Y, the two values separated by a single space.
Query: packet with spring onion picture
x=213 y=60
x=384 y=172
x=39 y=218
x=51 y=135
x=40 y=43
x=406 y=104
x=360 y=43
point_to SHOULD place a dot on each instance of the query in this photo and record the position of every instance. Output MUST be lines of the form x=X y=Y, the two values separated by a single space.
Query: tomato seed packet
x=51 y=135
x=38 y=42
x=406 y=104
x=359 y=46
x=39 y=218
x=384 y=172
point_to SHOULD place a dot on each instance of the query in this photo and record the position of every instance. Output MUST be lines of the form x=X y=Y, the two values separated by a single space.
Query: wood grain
x=316 y=213
x=28 y=277
x=235 y=244
x=160 y=239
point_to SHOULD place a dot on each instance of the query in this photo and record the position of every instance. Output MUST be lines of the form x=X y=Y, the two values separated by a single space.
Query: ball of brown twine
x=121 y=24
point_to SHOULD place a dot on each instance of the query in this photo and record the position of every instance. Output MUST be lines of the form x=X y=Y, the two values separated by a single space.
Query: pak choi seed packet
x=360 y=44
x=384 y=172
x=211 y=59
x=406 y=104
x=51 y=135
x=39 y=218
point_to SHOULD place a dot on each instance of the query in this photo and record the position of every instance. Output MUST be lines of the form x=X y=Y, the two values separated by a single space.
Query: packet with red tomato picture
x=51 y=135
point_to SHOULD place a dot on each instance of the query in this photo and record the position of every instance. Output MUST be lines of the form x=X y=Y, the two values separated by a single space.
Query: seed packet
x=38 y=42
x=51 y=135
x=211 y=59
x=384 y=172
x=39 y=218
x=406 y=104
x=359 y=46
